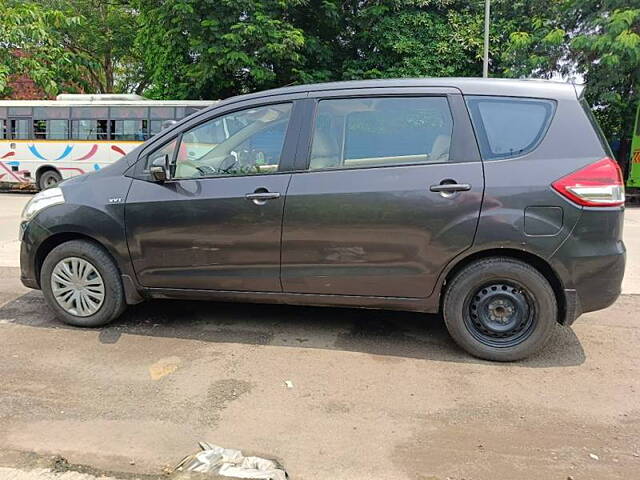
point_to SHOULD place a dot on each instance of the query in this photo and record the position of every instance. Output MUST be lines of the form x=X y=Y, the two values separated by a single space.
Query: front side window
x=247 y=142
x=509 y=127
x=366 y=132
x=89 y=129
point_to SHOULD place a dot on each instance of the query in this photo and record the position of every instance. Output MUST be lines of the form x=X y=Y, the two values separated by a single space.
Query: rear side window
x=367 y=132
x=508 y=127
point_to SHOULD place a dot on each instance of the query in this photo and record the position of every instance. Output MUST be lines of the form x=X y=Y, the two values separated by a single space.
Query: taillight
x=596 y=185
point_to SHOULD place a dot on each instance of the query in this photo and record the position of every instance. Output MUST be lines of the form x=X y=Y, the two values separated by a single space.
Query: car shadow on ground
x=399 y=334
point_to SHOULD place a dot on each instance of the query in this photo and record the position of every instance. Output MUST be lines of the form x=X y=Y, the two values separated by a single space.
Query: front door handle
x=450 y=187
x=260 y=196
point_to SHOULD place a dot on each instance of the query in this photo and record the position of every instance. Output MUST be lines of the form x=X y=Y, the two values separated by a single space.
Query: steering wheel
x=227 y=163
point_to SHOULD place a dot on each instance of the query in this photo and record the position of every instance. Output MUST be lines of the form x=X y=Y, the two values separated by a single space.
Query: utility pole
x=485 y=62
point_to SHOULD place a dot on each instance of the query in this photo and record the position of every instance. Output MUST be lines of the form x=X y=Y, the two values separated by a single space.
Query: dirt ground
x=381 y=395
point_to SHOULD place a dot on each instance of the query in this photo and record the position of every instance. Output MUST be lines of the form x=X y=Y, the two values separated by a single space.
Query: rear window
x=509 y=127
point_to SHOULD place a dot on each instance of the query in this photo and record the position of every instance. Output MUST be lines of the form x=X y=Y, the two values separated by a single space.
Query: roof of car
x=535 y=88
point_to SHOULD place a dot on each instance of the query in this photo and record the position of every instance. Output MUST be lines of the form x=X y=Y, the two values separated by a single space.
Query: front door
x=217 y=223
x=392 y=193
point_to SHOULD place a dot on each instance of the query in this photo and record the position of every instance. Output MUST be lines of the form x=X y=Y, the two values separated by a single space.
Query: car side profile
x=493 y=202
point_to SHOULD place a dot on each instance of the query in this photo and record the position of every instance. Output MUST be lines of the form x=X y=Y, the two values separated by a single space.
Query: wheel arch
x=537 y=262
x=58 y=239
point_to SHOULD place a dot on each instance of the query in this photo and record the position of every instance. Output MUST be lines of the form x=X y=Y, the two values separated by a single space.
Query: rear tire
x=500 y=309
x=49 y=179
x=80 y=268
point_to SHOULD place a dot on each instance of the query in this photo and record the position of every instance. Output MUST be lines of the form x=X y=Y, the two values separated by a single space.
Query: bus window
x=162 y=113
x=129 y=130
x=129 y=112
x=82 y=113
x=51 y=129
x=19 y=111
x=3 y=129
x=44 y=113
x=19 y=128
x=89 y=129
x=155 y=127
x=182 y=112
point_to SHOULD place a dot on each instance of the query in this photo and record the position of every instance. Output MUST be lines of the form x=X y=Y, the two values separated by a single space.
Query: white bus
x=45 y=141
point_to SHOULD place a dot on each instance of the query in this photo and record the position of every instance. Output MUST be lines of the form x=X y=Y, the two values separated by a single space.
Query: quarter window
x=367 y=132
x=247 y=142
x=509 y=127
x=167 y=149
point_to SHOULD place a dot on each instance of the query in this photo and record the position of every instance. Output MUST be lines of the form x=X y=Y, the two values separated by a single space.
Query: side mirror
x=160 y=168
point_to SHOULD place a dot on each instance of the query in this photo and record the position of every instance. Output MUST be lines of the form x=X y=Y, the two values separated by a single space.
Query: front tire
x=500 y=309
x=81 y=283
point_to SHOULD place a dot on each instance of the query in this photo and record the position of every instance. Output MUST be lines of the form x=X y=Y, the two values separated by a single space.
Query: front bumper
x=29 y=233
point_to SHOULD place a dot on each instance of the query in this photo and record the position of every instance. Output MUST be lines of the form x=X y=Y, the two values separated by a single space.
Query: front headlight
x=40 y=201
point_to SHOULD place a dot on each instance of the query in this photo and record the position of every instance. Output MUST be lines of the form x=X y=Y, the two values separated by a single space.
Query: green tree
x=71 y=45
x=403 y=38
x=206 y=49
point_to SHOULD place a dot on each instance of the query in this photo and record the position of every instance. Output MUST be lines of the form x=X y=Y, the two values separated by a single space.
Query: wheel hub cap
x=499 y=313
x=77 y=286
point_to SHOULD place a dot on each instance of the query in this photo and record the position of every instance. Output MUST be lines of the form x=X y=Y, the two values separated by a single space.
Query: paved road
x=374 y=394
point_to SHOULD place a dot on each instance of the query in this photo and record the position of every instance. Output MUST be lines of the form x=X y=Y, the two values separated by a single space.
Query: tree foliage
x=195 y=48
x=70 y=45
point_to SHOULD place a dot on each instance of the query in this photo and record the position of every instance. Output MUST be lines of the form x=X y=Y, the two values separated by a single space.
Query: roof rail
x=97 y=97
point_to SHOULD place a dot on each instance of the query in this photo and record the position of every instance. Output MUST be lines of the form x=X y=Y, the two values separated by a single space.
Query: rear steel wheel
x=500 y=314
x=500 y=308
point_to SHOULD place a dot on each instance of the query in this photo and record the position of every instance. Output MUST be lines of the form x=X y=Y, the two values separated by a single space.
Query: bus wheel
x=49 y=179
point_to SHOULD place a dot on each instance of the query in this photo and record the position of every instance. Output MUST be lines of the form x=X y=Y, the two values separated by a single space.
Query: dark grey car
x=494 y=202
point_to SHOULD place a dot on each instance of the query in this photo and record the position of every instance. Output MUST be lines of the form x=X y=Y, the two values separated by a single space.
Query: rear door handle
x=450 y=187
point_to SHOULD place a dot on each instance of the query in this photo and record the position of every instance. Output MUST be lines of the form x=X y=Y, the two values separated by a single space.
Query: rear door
x=387 y=191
